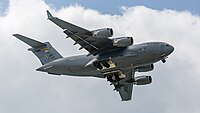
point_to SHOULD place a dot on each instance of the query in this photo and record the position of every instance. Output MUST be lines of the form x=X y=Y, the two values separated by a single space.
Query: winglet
x=49 y=15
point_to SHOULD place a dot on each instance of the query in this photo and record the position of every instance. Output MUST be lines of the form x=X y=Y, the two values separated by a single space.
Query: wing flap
x=81 y=41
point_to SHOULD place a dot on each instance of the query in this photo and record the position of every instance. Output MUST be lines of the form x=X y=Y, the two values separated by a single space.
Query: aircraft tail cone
x=40 y=69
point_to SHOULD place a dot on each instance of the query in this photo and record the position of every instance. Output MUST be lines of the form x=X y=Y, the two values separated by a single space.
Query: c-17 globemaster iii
x=114 y=59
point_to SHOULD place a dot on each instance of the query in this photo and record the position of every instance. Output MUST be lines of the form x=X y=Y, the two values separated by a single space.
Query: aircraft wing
x=82 y=36
x=125 y=88
x=126 y=91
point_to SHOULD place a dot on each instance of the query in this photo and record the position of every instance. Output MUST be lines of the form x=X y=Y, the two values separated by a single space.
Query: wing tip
x=16 y=35
x=49 y=15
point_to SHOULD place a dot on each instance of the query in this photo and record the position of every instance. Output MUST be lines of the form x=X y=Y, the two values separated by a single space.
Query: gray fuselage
x=125 y=58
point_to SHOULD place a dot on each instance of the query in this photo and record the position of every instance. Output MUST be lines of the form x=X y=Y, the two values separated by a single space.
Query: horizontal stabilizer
x=44 y=51
x=30 y=42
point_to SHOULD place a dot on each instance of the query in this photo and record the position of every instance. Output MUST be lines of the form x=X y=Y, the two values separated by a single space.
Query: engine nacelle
x=142 y=80
x=145 y=68
x=123 y=41
x=103 y=33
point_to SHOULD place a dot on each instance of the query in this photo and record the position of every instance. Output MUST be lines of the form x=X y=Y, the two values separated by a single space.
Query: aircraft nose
x=170 y=48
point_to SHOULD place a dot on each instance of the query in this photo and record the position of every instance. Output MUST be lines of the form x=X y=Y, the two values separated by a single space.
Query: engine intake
x=123 y=41
x=103 y=33
x=142 y=80
x=145 y=68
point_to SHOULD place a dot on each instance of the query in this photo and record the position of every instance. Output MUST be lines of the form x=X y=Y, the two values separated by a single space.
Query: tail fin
x=44 y=51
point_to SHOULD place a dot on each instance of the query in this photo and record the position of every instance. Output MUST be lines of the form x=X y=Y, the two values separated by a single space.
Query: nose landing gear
x=163 y=60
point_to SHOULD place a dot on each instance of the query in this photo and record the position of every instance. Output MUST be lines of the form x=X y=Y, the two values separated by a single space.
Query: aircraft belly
x=133 y=61
x=76 y=67
x=75 y=71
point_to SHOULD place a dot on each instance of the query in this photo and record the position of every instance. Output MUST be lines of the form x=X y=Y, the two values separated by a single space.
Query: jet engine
x=145 y=68
x=102 y=33
x=142 y=80
x=123 y=41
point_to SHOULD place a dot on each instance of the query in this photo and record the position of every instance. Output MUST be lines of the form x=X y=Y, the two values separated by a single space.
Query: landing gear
x=109 y=78
x=105 y=64
x=163 y=60
x=113 y=77
x=98 y=65
x=116 y=76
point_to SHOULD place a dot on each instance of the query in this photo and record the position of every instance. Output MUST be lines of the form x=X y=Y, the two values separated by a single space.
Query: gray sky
x=175 y=87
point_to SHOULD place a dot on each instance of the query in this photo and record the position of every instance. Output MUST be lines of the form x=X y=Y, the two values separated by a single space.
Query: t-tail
x=44 y=51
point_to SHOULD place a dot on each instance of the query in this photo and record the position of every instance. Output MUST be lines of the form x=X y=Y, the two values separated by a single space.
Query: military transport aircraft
x=114 y=59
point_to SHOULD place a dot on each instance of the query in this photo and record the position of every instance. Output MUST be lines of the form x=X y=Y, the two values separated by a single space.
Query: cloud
x=175 y=86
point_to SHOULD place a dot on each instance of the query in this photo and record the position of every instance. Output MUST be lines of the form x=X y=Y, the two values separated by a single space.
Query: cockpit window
x=167 y=45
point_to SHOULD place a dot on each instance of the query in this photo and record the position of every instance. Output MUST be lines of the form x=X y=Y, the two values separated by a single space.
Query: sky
x=113 y=6
x=175 y=87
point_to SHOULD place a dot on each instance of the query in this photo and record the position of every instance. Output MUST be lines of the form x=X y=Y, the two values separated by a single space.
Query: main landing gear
x=104 y=64
x=114 y=76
